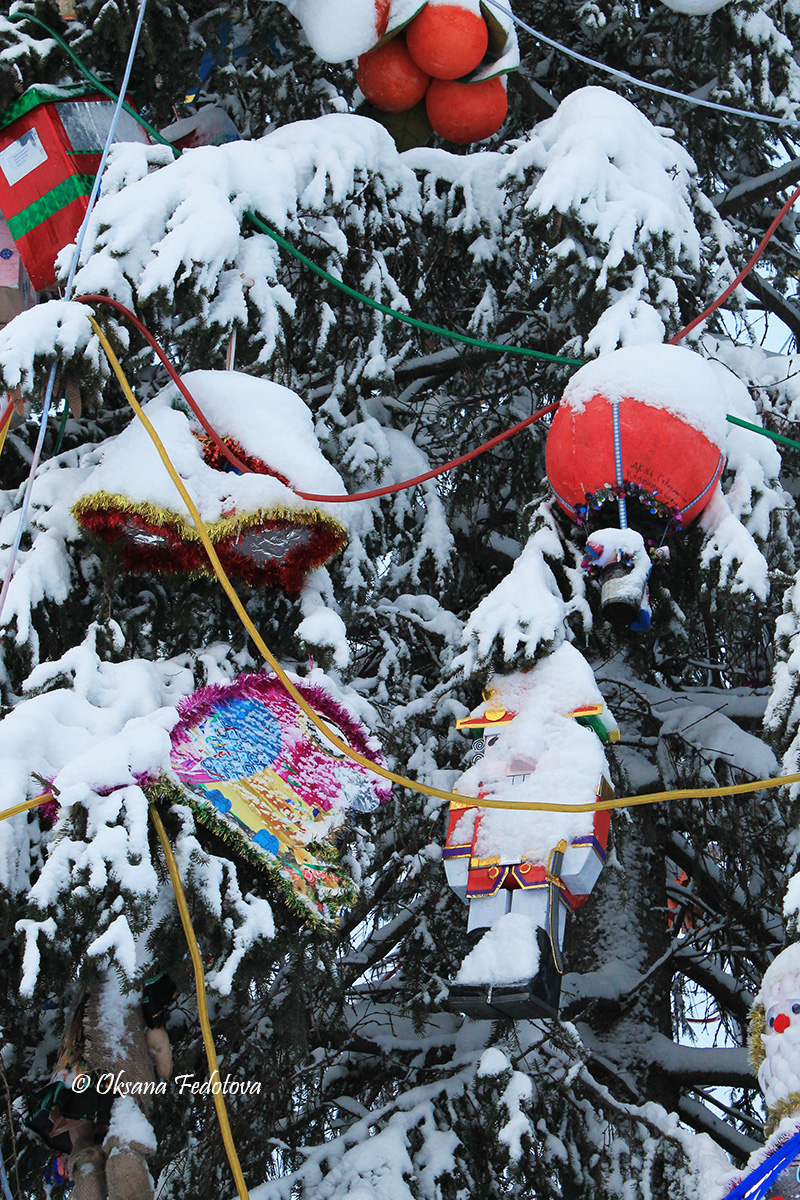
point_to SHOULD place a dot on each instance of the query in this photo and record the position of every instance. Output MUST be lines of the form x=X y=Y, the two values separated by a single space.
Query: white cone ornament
x=694 y=8
x=340 y=30
x=540 y=738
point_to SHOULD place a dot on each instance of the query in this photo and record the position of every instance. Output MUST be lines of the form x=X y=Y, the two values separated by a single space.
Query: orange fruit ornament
x=390 y=79
x=446 y=40
x=466 y=112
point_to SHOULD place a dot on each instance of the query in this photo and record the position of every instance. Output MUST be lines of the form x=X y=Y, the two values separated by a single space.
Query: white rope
x=48 y=395
x=640 y=83
x=4 y=1182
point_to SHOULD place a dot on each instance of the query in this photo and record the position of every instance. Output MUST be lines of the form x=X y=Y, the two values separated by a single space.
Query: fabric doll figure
x=518 y=870
x=618 y=558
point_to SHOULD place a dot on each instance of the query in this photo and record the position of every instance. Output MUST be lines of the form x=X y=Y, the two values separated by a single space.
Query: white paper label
x=22 y=157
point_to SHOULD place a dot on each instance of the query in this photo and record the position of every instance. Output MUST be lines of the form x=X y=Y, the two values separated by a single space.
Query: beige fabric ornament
x=160 y=1051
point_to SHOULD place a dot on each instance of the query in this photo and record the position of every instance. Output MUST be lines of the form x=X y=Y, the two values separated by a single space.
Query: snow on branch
x=626 y=217
x=524 y=612
x=161 y=224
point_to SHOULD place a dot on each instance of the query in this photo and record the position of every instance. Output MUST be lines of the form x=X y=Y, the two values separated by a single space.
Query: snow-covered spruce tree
x=584 y=225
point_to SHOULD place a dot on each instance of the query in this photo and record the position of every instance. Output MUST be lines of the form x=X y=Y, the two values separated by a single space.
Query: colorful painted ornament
x=257 y=771
x=262 y=531
x=51 y=140
x=466 y=112
x=644 y=427
x=521 y=871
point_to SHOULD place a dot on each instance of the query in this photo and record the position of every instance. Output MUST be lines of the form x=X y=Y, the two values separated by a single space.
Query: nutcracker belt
x=486 y=881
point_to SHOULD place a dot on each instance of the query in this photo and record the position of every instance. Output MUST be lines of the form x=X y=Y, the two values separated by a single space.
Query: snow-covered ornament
x=51 y=141
x=262 y=531
x=521 y=871
x=694 y=8
x=403 y=45
x=257 y=771
x=340 y=30
x=619 y=559
x=638 y=442
x=641 y=430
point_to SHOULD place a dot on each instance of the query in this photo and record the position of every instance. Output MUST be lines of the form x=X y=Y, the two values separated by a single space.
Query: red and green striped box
x=51 y=141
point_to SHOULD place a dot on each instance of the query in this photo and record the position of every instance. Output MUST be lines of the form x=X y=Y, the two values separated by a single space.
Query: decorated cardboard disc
x=257 y=771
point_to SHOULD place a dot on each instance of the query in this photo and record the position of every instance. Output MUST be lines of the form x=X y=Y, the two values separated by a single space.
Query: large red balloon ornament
x=638 y=441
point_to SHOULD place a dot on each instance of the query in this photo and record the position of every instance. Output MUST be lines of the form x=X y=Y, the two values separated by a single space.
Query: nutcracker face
x=516 y=768
x=481 y=744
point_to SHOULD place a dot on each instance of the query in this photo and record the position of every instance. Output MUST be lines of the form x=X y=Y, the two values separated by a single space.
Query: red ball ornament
x=466 y=112
x=390 y=79
x=447 y=41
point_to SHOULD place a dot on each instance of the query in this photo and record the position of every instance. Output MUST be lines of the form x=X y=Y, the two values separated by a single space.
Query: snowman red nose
x=781 y=1022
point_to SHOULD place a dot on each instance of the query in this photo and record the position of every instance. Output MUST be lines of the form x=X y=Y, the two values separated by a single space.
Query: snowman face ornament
x=780 y=1017
x=779 y=1073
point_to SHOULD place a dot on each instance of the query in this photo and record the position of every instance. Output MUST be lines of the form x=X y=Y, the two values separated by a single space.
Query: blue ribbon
x=756 y=1185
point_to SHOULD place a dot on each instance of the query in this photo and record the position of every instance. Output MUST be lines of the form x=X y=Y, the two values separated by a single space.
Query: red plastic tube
x=389 y=490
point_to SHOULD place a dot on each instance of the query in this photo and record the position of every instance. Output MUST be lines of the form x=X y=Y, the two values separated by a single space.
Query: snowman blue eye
x=796 y=1008
x=772 y=1022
